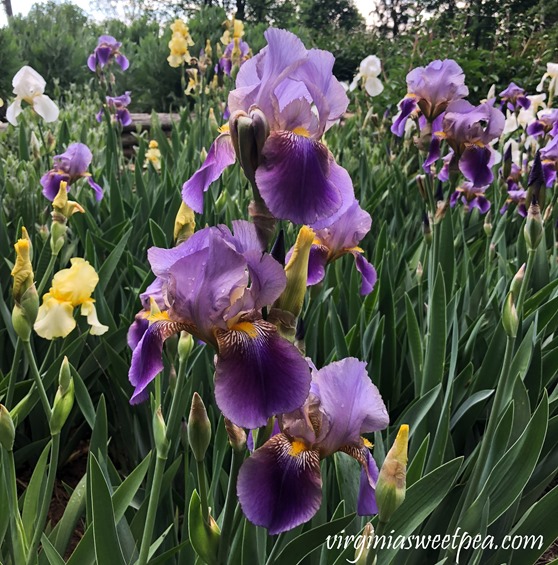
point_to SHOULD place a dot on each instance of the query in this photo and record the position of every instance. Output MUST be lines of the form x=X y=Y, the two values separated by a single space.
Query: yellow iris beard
x=297 y=447
x=301 y=131
x=246 y=327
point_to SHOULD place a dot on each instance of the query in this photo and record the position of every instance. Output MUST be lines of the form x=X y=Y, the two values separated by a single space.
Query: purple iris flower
x=469 y=130
x=216 y=285
x=342 y=238
x=514 y=97
x=549 y=156
x=471 y=197
x=231 y=57
x=547 y=122
x=296 y=98
x=70 y=166
x=517 y=197
x=107 y=49
x=430 y=89
x=118 y=106
x=280 y=485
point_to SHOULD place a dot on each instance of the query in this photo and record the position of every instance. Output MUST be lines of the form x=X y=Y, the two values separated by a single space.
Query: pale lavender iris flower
x=471 y=197
x=231 y=57
x=547 y=123
x=296 y=98
x=215 y=285
x=430 y=89
x=118 y=107
x=549 y=157
x=339 y=239
x=70 y=166
x=280 y=484
x=514 y=98
x=469 y=130
x=107 y=50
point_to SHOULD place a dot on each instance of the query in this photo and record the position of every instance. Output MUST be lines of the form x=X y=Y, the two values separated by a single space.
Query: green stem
x=13 y=373
x=230 y=505
x=47 y=152
x=152 y=509
x=46 y=276
x=37 y=379
x=18 y=531
x=275 y=550
x=202 y=484
x=45 y=504
x=174 y=414
x=525 y=283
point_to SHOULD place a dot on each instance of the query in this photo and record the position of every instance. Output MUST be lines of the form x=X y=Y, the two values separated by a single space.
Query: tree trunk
x=240 y=9
x=8 y=8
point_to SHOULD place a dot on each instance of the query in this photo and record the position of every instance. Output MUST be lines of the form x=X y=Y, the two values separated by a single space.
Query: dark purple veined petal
x=549 y=172
x=368 y=273
x=476 y=165
x=299 y=180
x=103 y=53
x=221 y=155
x=535 y=129
x=434 y=153
x=351 y=402
x=317 y=262
x=407 y=106
x=258 y=374
x=51 y=183
x=280 y=487
x=96 y=188
x=481 y=203
x=147 y=360
x=366 y=504
x=455 y=197
x=137 y=329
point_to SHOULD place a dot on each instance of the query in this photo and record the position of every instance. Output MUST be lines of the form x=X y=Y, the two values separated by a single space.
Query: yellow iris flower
x=70 y=288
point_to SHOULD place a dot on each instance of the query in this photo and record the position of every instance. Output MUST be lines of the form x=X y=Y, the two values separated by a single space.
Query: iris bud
x=364 y=545
x=510 y=319
x=185 y=346
x=517 y=281
x=237 y=436
x=184 y=223
x=488 y=224
x=64 y=399
x=160 y=434
x=533 y=230
x=7 y=429
x=199 y=428
x=391 y=485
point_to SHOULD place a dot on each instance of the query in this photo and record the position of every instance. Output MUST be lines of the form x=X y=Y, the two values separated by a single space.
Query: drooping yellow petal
x=55 y=318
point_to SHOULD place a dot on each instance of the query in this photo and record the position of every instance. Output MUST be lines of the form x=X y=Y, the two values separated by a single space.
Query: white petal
x=540 y=86
x=354 y=84
x=27 y=82
x=373 y=86
x=46 y=108
x=13 y=111
x=552 y=69
x=55 y=319
x=371 y=66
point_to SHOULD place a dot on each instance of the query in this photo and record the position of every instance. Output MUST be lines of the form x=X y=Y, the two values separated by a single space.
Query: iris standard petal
x=295 y=179
x=258 y=374
x=278 y=487
x=350 y=401
x=221 y=155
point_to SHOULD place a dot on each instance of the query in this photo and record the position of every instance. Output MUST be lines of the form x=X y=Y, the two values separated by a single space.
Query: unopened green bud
x=185 y=346
x=199 y=428
x=57 y=237
x=533 y=226
x=391 y=485
x=237 y=436
x=510 y=319
x=65 y=375
x=160 y=434
x=63 y=403
x=363 y=545
x=426 y=229
x=7 y=429
x=419 y=272
x=517 y=281
x=488 y=224
x=421 y=184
